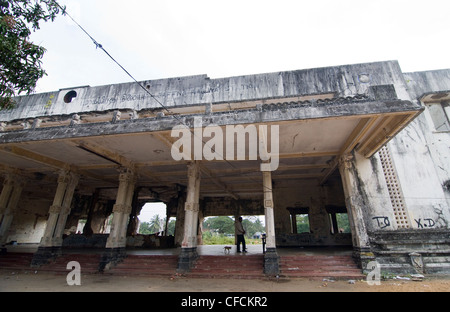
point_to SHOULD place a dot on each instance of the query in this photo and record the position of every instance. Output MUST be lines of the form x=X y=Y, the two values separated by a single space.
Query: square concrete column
x=65 y=210
x=9 y=200
x=5 y=195
x=355 y=206
x=189 y=245
x=61 y=197
x=51 y=242
x=121 y=210
x=271 y=259
x=117 y=240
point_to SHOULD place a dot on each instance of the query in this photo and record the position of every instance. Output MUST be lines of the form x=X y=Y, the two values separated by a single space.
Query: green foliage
x=252 y=226
x=20 y=59
x=156 y=225
x=221 y=225
x=225 y=225
x=217 y=239
x=302 y=222
x=343 y=223
x=222 y=239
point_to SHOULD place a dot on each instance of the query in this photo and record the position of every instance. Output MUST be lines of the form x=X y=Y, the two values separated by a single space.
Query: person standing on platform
x=239 y=231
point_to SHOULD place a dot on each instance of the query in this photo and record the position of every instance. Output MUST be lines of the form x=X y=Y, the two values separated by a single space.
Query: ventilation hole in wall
x=394 y=190
x=70 y=96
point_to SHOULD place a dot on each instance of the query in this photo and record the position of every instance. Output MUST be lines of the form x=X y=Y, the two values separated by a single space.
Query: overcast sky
x=172 y=38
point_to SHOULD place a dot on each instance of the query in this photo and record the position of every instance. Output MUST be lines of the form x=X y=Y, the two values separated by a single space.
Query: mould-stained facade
x=365 y=142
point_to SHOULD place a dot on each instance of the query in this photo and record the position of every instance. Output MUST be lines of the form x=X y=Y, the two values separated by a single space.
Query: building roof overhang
x=314 y=132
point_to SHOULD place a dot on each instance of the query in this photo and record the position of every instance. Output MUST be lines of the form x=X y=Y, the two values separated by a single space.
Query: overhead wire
x=100 y=46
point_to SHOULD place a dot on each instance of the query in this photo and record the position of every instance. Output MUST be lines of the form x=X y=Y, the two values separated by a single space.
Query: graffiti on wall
x=421 y=223
x=425 y=223
x=382 y=221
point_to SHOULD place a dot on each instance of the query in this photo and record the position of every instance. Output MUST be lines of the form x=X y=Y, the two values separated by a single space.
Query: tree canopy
x=225 y=225
x=20 y=59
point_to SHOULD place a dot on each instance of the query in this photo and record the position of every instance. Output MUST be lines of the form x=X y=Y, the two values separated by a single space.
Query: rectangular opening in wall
x=299 y=219
x=343 y=225
x=302 y=223
x=152 y=219
x=339 y=222
x=80 y=225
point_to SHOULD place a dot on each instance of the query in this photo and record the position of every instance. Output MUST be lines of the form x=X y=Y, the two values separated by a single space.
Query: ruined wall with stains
x=406 y=184
x=372 y=188
x=201 y=90
x=422 y=155
x=308 y=194
x=29 y=221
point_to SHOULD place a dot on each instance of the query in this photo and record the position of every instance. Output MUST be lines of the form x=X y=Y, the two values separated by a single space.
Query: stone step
x=243 y=267
x=319 y=266
x=15 y=261
x=146 y=266
x=88 y=263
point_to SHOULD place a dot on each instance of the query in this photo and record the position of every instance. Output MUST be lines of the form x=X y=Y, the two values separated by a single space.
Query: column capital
x=13 y=178
x=193 y=170
x=127 y=175
x=68 y=177
x=345 y=161
x=64 y=176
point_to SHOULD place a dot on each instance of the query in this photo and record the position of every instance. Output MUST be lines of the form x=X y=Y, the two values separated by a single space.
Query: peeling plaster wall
x=308 y=194
x=194 y=90
x=422 y=158
x=372 y=185
x=29 y=221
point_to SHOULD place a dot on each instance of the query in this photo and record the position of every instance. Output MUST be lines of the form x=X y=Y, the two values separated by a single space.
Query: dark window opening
x=339 y=219
x=300 y=220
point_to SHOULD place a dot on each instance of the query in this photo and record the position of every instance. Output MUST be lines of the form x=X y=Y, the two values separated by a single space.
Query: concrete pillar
x=60 y=199
x=189 y=245
x=117 y=239
x=122 y=209
x=9 y=200
x=271 y=259
x=8 y=186
x=179 y=225
x=51 y=242
x=65 y=210
x=355 y=206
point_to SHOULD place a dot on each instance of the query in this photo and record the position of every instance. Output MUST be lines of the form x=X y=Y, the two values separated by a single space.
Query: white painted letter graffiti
x=373 y=278
x=74 y=277
x=241 y=143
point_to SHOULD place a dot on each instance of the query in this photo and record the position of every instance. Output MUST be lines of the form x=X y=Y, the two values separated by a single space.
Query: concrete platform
x=210 y=250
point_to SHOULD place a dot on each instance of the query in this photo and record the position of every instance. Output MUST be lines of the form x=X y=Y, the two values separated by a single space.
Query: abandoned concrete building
x=366 y=141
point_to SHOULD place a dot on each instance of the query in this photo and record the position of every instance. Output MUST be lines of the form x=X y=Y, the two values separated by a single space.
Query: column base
x=271 y=262
x=362 y=257
x=45 y=255
x=111 y=257
x=186 y=259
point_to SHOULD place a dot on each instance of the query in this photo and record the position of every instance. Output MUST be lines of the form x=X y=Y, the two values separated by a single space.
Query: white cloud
x=160 y=39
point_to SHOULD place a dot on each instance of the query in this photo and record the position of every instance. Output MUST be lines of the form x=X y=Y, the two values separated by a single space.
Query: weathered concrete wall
x=373 y=189
x=195 y=90
x=421 y=160
x=422 y=157
x=29 y=221
x=308 y=194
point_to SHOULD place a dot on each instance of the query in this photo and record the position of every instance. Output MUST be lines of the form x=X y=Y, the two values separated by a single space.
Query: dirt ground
x=11 y=281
